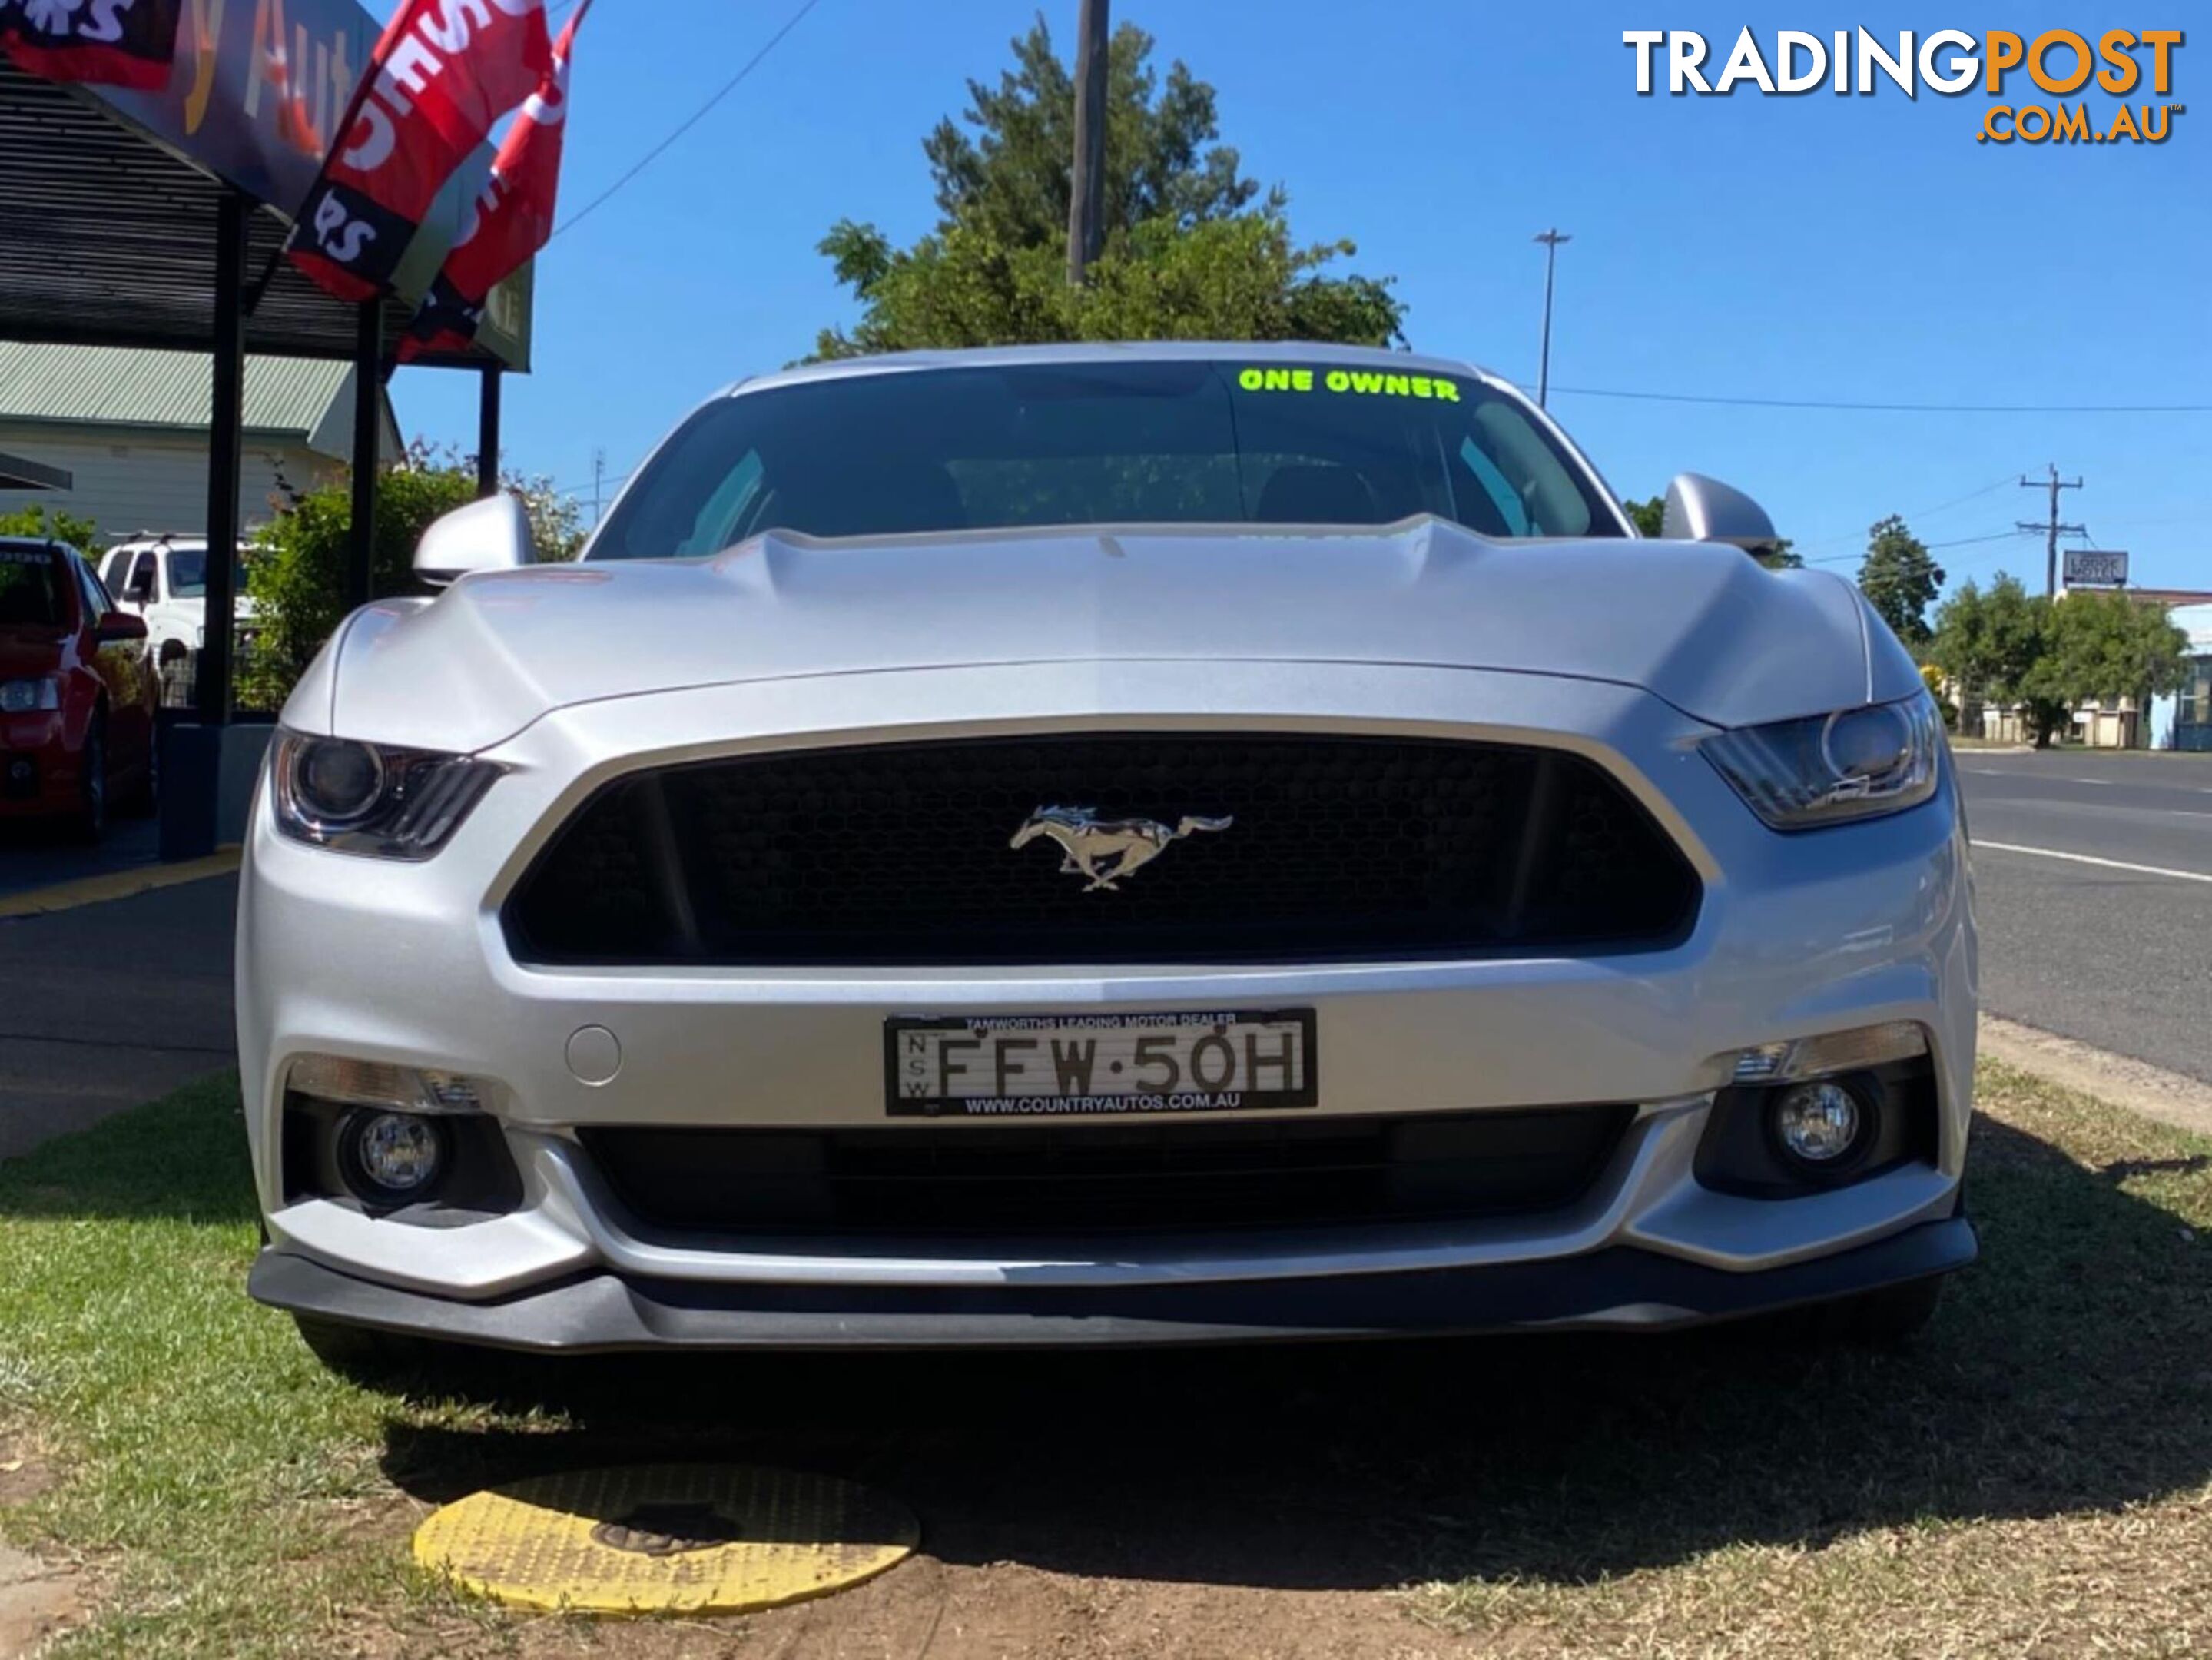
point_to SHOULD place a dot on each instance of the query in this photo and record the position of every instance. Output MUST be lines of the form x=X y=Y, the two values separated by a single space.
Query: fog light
x=1822 y=1124
x=392 y=1157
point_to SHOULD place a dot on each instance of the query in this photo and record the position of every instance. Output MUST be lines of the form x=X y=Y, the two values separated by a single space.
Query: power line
x=1956 y=542
x=686 y=125
x=1923 y=513
x=1890 y=409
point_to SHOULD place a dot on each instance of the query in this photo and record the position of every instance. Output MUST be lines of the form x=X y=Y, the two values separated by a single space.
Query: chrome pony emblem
x=1106 y=849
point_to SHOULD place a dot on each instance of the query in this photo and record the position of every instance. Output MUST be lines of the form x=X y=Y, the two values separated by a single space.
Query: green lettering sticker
x=1352 y=380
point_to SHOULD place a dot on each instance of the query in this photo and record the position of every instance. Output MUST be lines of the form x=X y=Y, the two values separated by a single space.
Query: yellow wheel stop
x=666 y=1538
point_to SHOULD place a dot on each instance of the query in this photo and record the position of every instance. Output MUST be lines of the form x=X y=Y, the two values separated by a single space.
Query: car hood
x=1700 y=624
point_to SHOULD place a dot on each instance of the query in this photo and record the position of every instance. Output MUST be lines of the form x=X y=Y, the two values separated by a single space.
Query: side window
x=103 y=596
x=96 y=602
x=146 y=574
x=1505 y=501
x=727 y=516
x=112 y=571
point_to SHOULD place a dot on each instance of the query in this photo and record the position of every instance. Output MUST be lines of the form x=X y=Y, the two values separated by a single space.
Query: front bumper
x=1796 y=936
x=39 y=771
x=1619 y=1289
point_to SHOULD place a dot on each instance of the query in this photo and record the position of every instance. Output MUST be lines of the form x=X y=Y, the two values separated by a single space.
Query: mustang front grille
x=1166 y=847
x=1067 y=1178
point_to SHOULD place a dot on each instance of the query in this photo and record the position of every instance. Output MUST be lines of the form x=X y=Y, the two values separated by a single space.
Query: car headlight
x=1831 y=768
x=373 y=799
x=26 y=697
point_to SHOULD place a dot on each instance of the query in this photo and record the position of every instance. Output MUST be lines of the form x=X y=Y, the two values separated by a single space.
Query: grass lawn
x=2035 y=1476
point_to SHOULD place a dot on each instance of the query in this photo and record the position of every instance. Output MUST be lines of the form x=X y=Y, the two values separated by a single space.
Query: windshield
x=1165 y=441
x=32 y=581
x=188 y=574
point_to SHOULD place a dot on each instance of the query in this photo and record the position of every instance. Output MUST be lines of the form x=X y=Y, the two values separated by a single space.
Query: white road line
x=2101 y=783
x=2088 y=859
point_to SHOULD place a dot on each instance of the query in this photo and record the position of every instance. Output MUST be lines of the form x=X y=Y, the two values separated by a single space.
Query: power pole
x=598 y=472
x=2052 y=530
x=1086 y=235
x=1551 y=240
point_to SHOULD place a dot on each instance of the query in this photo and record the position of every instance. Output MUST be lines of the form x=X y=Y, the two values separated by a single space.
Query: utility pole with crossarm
x=2052 y=530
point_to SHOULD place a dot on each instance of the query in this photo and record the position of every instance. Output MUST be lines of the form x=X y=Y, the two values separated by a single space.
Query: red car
x=76 y=695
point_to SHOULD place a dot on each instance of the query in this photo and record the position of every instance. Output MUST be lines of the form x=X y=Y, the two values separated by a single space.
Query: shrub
x=40 y=519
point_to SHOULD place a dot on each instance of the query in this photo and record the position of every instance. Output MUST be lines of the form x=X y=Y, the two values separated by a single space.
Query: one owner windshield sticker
x=1349 y=381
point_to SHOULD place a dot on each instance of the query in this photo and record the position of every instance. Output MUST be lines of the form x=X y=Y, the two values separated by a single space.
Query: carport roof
x=110 y=239
x=18 y=474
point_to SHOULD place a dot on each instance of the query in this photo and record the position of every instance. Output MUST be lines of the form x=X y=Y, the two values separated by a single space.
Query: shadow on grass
x=2071 y=1368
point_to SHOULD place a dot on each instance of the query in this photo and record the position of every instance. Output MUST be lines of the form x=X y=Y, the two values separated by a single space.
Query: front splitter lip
x=1619 y=1288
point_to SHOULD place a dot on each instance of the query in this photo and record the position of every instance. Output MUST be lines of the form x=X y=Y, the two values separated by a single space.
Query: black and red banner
x=442 y=75
x=513 y=217
x=113 y=43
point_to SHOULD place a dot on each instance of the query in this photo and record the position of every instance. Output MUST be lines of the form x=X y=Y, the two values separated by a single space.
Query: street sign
x=2096 y=568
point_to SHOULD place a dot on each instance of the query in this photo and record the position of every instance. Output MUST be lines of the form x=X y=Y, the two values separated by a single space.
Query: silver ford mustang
x=1114 y=844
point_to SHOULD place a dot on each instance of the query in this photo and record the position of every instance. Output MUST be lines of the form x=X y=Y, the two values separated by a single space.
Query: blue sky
x=1853 y=249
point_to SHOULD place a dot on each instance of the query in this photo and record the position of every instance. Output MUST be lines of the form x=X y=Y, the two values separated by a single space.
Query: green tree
x=2000 y=646
x=1899 y=579
x=297 y=572
x=2106 y=645
x=2049 y=657
x=40 y=519
x=1651 y=517
x=1193 y=250
x=1961 y=646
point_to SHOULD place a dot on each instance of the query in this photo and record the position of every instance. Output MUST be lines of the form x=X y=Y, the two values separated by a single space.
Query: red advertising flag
x=115 y=43
x=513 y=217
x=441 y=77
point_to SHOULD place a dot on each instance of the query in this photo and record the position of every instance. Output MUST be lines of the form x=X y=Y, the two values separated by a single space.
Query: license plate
x=1055 y=1066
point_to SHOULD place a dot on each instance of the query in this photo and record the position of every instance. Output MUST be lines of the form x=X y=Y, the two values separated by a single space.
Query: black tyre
x=90 y=822
x=144 y=800
x=178 y=679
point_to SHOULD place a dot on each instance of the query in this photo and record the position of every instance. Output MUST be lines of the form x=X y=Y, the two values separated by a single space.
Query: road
x=2116 y=953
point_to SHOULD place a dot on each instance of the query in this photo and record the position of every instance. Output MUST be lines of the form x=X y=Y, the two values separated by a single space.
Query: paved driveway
x=107 y=1005
x=33 y=855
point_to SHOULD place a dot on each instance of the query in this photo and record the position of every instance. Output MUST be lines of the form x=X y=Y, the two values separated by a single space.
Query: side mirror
x=141 y=591
x=1702 y=509
x=493 y=534
x=118 y=626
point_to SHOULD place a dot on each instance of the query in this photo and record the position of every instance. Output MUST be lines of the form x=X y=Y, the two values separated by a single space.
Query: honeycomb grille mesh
x=1339 y=846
